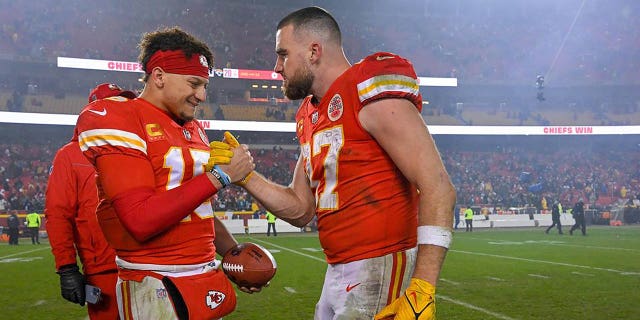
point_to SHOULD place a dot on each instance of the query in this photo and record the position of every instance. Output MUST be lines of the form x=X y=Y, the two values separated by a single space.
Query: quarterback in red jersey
x=72 y=226
x=368 y=169
x=155 y=181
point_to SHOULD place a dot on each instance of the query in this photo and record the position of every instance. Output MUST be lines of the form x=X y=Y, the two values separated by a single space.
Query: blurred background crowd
x=586 y=50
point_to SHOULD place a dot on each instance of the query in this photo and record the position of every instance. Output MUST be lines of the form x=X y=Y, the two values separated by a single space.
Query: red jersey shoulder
x=382 y=63
x=106 y=113
x=386 y=75
x=106 y=126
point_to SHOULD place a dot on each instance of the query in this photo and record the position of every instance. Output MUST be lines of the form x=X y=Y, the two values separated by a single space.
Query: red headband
x=175 y=61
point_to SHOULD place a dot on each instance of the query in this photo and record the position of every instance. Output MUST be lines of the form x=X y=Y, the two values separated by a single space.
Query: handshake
x=229 y=161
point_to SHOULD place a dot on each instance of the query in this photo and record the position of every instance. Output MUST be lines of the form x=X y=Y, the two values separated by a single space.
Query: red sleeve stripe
x=384 y=83
x=111 y=137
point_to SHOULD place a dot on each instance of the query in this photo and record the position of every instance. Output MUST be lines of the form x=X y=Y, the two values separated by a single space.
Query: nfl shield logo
x=187 y=134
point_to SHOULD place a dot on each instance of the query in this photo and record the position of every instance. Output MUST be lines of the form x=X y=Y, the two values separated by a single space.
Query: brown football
x=249 y=265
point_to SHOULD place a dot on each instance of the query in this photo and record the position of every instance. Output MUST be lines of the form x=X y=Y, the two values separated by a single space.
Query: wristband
x=245 y=179
x=222 y=176
x=434 y=235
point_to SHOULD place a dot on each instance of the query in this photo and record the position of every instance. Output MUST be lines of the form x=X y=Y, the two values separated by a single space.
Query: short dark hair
x=313 y=19
x=171 y=39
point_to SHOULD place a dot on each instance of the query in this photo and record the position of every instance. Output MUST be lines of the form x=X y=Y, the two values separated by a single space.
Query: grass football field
x=489 y=274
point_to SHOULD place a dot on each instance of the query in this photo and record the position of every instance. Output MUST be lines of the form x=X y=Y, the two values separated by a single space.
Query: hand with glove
x=219 y=153
x=417 y=303
x=72 y=284
x=229 y=161
x=222 y=153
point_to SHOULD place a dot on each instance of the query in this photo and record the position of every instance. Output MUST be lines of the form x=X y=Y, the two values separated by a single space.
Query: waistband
x=178 y=270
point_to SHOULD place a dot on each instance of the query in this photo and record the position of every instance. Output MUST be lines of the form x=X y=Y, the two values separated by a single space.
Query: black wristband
x=218 y=176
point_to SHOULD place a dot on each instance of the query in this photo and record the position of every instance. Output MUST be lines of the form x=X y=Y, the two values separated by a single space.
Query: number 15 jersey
x=177 y=153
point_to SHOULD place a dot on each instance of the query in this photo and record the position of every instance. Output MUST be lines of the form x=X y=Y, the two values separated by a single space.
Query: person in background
x=271 y=224
x=156 y=175
x=578 y=216
x=72 y=226
x=33 y=225
x=13 y=222
x=368 y=169
x=468 y=219
x=555 y=217
x=560 y=207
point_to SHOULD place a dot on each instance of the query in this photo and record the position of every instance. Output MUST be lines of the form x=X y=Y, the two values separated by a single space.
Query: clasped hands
x=231 y=157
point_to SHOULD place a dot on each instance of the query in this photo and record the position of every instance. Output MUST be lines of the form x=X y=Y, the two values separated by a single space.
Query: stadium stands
x=485 y=172
x=495 y=50
x=494 y=43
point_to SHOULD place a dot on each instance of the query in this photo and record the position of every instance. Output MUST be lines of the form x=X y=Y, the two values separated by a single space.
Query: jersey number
x=175 y=162
x=331 y=139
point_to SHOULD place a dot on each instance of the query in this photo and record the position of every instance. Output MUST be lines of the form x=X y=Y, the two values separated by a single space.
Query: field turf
x=489 y=274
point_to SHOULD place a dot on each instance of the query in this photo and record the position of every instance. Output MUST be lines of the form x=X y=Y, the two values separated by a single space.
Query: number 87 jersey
x=365 y=206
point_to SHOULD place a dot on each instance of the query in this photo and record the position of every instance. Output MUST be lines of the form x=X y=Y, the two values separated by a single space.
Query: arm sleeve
x=145 y=213
x=387 y=76
x=60 y=210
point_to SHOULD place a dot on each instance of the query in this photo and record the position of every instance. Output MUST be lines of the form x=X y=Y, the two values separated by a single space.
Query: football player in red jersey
x=72 y=227
x=155 y=180
x=368 y=169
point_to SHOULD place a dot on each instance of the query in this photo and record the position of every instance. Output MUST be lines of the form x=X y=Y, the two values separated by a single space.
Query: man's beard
x=298 y=86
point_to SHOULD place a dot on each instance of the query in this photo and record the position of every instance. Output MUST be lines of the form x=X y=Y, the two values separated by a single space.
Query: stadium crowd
x=496 y=42
x=492 y=47
x=495 y=50
x=495 y=174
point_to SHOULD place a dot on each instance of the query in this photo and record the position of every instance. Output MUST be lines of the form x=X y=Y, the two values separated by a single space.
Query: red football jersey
x=177 y=153
x=365 y=206
x=70 y=209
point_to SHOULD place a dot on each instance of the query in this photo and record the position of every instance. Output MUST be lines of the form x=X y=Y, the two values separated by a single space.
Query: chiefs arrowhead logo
x=215 y=299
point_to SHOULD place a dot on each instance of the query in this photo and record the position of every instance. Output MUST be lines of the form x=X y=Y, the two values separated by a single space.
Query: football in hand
x=249 y=265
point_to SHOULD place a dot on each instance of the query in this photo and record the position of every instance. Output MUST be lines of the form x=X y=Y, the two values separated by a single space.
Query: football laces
x=233 y=267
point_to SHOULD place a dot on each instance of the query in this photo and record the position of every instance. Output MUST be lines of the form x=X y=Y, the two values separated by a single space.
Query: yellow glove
x=417 y=303
x=230 y=139
x=220 y=153
x=233 y=142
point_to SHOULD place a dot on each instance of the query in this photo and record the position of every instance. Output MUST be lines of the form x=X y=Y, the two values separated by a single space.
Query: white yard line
x=495 y=279
x=546 y=262
x=290 y=250
x=38 y=303
x=291 y=290
x=594 y=247
x=470 y=306
x=449 y=281
x=555 y=242
x=25 y=252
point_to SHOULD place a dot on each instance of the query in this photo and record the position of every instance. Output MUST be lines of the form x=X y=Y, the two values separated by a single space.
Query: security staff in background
x=555 y=217
x=578 y=215
x=468 y=219
x=33 y=225
x=271 y=223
